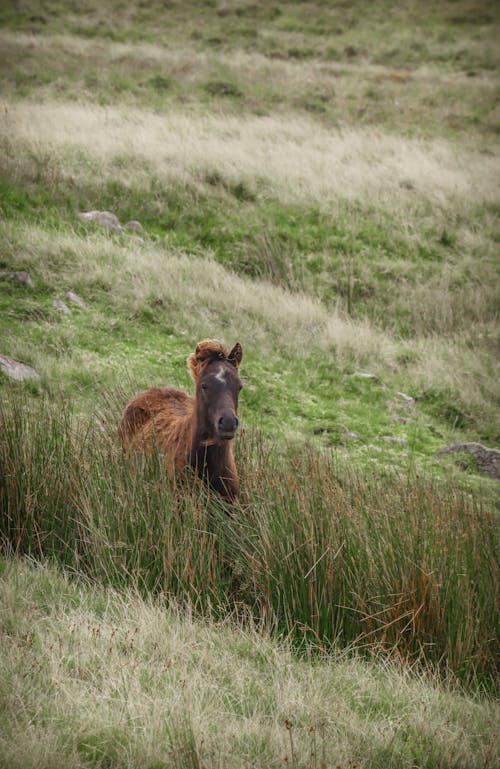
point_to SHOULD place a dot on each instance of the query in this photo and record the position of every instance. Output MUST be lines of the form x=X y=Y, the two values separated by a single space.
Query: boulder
x=103 y=218
x=23 y=277
x=134 y=226
x=74 y=298
x=61 y=307
x=17 y=370
x=487 y=460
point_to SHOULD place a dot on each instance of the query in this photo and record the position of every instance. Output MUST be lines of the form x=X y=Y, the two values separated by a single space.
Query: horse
x=193 y=431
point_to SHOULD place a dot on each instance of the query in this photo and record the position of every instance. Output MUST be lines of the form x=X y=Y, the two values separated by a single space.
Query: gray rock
x=103 y=218
x=487 y=460
x=374 y=448
x=17 y=370
x=61 y=307
x=352 y=436
x=366 y=375
x=74 y=298
x=407 y=399
x=134 y=226
x=24 y=278
x=401 y=420
x=392 y=439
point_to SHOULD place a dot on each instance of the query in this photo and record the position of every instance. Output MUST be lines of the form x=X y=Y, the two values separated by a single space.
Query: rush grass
x=314 y=552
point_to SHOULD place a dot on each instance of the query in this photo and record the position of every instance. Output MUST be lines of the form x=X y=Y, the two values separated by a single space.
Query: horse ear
x=236 y=355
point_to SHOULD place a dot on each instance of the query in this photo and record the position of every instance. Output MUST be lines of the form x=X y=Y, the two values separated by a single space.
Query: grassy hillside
x=318 y=180
x=377 y=233
x=94 y=678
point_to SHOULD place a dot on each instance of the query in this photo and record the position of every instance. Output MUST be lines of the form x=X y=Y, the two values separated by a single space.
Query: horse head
x=216 y=375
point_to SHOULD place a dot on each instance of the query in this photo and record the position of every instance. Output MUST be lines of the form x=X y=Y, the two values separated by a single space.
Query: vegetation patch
x=320 y=182
x=322 y=554
x=92 y=676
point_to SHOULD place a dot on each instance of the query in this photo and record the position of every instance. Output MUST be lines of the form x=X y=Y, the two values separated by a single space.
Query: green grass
x=293 y=388
x=422 y=73
x=297 y=247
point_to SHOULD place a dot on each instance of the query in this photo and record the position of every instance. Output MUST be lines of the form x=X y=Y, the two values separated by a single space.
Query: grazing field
x=320 y=181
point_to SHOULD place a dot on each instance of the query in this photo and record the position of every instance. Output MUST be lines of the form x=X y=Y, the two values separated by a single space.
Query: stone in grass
x=392 y=439
x=23 y=277
x=407 y=399
x=367 y=375
x=17 y=370
x=134 y=226
x=61 y=307
x=352 y=436
x=401 y=420
x=371 y=378
x=103 y=218
x=487 y=460
x=74 y=298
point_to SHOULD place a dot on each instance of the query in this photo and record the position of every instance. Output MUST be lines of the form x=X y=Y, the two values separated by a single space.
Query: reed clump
x=317 y=552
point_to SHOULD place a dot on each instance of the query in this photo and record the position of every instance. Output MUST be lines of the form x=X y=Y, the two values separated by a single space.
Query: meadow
x=320 y=182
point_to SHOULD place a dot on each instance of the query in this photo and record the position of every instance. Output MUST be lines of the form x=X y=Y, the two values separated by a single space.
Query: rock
x=401 y=420
x=487 y=460
x=392 y=439
x=74 y=298
x=366 y=375
x=374 y=448
x=104 y=218
x=24 y=278
x=407 y=399
x=61 y=307
x=352 y=436
x=134 y=226
x=16 y=370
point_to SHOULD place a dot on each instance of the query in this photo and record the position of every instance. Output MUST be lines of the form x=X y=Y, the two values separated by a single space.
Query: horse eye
x=204 y=387
x=240 y=386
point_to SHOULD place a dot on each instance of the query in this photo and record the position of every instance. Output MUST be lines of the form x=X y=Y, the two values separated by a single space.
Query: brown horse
x=195 y=431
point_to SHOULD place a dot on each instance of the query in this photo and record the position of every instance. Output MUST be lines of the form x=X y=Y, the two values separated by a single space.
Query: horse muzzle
x=226 y=427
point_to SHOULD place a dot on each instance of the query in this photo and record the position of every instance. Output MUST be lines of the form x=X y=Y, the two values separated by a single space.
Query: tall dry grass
x=297 y=160
x=94 y=676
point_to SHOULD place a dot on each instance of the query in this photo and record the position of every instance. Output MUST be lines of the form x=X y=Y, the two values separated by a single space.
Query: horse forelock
x=206 y=352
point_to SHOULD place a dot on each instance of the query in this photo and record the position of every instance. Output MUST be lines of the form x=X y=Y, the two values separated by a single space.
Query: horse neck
x=214 y=462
